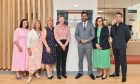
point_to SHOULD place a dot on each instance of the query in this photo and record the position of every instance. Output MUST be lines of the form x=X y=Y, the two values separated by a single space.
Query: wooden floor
x=132 y=78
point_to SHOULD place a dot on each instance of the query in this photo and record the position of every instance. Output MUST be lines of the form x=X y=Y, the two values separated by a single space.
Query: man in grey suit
x=84 y=34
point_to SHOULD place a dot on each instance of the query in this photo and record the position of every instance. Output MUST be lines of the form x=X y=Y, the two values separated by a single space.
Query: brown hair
x=96 y=25
x=39 y=23
x=21 y=23
x=119 y=13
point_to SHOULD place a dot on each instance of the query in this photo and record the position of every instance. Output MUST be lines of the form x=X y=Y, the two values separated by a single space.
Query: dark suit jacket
x=104 y=43
x=120 y=36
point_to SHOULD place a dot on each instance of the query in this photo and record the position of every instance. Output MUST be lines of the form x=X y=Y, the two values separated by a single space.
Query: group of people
x=44 y=47
x=40 y=48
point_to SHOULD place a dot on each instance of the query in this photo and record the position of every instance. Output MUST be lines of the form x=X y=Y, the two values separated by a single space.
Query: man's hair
x=119 y=13
x=84 y=12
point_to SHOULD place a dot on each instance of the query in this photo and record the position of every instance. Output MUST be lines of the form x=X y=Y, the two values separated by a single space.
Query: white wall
x=72 y=60
x=68 y=5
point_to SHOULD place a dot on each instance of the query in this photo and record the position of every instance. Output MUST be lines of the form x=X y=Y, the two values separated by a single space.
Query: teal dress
x=101 y=58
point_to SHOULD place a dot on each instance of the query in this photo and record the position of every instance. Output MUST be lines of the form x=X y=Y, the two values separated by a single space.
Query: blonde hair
x=49 y=19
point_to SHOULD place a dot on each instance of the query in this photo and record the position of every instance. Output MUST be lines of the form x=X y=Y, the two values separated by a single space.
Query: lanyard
x=39 y=35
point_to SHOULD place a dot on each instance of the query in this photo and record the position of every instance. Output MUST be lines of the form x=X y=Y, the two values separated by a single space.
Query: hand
x=19 y=49
x=85 y=41
x=98 y=46
x=29 y=51
x=82 y=41
x=48 y=50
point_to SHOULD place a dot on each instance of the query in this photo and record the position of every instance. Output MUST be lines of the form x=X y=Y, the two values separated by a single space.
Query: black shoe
x=104 y=77
x=64 y=75
x=98 y=76
x=114 y=75
x=78 y=76
x=123 y=78
x=59 y=77
x=49 y=77
x=18 y=78
x=52 y=77
x=92 y=76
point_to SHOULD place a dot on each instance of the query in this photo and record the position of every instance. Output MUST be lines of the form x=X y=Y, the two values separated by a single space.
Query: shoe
x=18 y=77
x=29 y=80
x=59 y=77
x=37 y=75
x=114 y=75
x=123 y=78
x=49 y=77
x=64 y=75
x=92 y=76
x=52 y=77
x=104 y=77
x=78 y=76
x=98 y=76
x=25 y=74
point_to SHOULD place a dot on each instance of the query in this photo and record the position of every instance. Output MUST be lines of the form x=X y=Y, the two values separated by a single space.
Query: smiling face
x=25 y=24
x=37 y=25
x=61 y=20
x=49 y=22
x=84 y=17
x=99 y=22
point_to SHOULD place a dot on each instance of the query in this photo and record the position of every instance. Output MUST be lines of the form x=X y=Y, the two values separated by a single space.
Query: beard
x=84 y=19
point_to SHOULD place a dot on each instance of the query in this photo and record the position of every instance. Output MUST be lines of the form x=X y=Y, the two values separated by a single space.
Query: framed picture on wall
x=72 y=17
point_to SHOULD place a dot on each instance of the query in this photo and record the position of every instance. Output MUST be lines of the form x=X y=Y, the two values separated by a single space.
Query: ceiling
x=109 y=10
x=116 y=3
x=113 y=6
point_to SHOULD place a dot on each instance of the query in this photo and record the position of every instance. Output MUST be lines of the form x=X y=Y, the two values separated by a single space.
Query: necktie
x=84 y=26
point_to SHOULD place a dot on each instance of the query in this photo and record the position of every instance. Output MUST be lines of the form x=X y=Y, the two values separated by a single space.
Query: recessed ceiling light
x=75 y=5
x=100 y=11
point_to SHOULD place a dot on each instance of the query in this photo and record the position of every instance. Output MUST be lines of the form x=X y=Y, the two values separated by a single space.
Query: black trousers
x=61 y=59
x=120 y=59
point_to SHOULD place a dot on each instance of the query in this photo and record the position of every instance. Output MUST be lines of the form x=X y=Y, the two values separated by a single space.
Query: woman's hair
x=60 y=17
x=21 y=23
x=96 y=24
x=35 y=25
x=49 y=19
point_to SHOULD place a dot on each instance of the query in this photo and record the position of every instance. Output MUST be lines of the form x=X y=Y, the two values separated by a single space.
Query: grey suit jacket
x=88 y=34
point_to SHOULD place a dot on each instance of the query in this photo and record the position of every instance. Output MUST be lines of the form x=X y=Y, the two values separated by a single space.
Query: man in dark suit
x=120 y=34
x=84 y=34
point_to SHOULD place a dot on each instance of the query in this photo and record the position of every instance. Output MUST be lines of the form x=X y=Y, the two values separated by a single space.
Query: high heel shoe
x=29 y=80
x=37 y=75
x=24 y=74
x=103 y=78
x=52 y=77
x=18 y=77
x=98 y=76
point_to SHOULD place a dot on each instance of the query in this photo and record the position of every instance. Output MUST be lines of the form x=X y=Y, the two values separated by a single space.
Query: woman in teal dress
x=101 y=49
